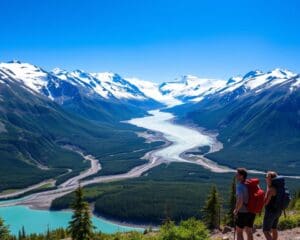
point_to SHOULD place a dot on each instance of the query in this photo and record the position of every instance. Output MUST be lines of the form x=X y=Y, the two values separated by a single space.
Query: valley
x=140 y=120
x=175 y=145
x=178 y=140
x=144 y=147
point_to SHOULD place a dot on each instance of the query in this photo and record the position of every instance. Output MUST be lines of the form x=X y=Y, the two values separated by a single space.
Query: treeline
x=186 y=230
x=177 y=187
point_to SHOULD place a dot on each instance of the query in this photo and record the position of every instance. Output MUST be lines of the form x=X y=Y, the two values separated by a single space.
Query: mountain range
x=256 y=115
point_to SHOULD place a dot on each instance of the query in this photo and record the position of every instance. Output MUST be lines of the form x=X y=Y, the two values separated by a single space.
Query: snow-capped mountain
x=188 y=88
x=62 y=86
x=152 y=90
x=258 y=80
x=256 y=117
x=30 y=76
x=105 y=85
x=191 y=88
x=96 y=96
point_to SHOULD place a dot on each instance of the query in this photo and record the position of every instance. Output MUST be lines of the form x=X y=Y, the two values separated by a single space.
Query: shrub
x=190 y=229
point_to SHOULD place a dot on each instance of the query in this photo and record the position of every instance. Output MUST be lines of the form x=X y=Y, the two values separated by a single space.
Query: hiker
x=276 y=200
x=244 y=218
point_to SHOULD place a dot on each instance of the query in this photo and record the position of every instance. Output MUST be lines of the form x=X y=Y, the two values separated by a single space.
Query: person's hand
x=235 y=212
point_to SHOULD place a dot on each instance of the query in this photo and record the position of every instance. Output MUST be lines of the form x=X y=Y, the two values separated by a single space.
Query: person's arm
x=239 y=204
x=269 y=194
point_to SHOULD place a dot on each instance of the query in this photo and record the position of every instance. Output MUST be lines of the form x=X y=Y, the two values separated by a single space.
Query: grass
x=8 y=191
x=292 y=220
x=46 y=186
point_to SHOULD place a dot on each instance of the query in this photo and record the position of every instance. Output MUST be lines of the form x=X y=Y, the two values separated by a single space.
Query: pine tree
x=48 y=234
x=211 y=209
x=80 y=226
x=87 y=225
x=22 y=234
x=4 y=232
x=75 y=223
x=19 y=235
x=231 y=203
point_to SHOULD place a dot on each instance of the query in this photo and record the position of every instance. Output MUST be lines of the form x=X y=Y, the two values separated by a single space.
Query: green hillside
x=34 y=129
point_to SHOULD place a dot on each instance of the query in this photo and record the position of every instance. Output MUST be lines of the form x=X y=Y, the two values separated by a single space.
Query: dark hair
x=243 y=172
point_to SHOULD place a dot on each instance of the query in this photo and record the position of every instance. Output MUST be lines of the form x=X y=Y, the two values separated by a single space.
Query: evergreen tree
x=211 y=209
x=87 y=225
x=75 y=223
x=231 y=203
x=4 y=232
x=80 y=226
x=19 y=235
x=48 y=234
x=23 y=233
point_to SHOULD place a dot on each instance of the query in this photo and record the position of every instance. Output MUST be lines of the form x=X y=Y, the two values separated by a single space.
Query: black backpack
x=283 y=196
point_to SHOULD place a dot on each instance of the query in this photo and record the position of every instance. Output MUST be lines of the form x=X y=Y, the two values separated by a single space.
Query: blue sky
x=156 y=40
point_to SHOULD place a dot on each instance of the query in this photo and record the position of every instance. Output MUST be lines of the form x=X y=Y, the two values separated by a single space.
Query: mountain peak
x=253 y=74
x=33 y=77
x=15 y=61
x=58 y=71
x=189 y=77
x=79 y=71
x=282 y=73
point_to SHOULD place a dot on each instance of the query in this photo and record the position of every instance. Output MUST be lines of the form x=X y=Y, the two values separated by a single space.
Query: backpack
x=256 y=196
x=283 y=196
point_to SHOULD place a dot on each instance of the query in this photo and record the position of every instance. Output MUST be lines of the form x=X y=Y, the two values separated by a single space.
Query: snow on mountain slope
x=151 y=90
x=191 y=88
x=33 y=77
x=257 y=80
x=295 y=85
x=61 y=85
x=84 y=80
x=106 y=84
x=119 y=87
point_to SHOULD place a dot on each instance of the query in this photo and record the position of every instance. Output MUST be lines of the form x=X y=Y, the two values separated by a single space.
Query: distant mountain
x=191 y=88
x=100 y=96
x=185 y=89
x=257 y=117
x=152 y=90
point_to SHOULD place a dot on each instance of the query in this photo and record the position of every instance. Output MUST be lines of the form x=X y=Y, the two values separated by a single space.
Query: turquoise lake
x=37 y=221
